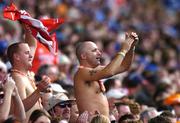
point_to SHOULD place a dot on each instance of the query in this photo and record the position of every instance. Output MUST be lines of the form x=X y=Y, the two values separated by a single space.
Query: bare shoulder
x=19 y=79
x=21 y=83
x=87 y=73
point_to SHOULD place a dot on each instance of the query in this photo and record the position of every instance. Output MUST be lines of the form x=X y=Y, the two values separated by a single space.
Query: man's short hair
x=167 y=114
x=43 y=70
x=128 y=118
x=146 y=114
x=80 y=47
x=160 y=119
x=13 y=48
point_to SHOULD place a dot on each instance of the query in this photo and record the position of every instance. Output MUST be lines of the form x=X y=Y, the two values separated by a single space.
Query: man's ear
x=83 y=56
x=16 y=57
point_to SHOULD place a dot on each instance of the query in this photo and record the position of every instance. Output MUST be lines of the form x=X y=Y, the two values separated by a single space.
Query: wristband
x=134 y=48
x=122 y=53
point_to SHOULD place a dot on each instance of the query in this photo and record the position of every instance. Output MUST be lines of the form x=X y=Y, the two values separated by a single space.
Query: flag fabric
x=39 y=28
x=52 y=24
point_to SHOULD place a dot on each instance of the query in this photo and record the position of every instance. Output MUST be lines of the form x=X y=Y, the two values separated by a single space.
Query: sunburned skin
x=24 y=83
x=90 y=98
x=89 y=90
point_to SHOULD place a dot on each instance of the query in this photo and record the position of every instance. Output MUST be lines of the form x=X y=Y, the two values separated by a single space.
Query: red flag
x=55 y=46
x=52 y=24
x=39 y=29
x=11 y=13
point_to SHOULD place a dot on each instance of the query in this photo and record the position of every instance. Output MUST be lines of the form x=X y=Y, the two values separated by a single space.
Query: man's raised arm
x=31 y=42
x=29 y=39
x=129 y=56
x=124 y=57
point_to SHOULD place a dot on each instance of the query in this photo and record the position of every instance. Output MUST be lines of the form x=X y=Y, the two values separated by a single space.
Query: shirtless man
x=21 y=56
x=88 y=87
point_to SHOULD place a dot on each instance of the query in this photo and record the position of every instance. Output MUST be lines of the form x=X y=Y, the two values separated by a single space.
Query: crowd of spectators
x=144 y=93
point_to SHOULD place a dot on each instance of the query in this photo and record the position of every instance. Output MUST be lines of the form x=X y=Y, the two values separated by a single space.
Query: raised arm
x=19 y=107
x=129 y=56
x=29 y=39
x=31 y=42
x=5 y=106
x=119 y=63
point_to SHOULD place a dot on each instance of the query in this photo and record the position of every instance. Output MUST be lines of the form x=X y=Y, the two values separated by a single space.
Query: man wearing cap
x=59 y=107
x=122 y=108
x=174 y=101
x=114 y=95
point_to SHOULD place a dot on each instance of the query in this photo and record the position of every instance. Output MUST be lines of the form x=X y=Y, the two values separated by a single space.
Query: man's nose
x=99 y=52
x=30 y=56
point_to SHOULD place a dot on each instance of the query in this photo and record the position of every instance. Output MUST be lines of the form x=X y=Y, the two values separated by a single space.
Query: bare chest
x=93 y=86
x=26 y=81
x=29 y=86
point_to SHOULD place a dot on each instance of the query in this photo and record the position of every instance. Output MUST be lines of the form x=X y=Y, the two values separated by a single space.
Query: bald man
x=89 y=90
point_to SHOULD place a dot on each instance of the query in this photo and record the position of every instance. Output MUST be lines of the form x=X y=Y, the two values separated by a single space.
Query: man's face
x=123 y=109
x=3 y=74
x=53 y=73
x=93 y=54
x=24 y=56
x=177 y=109
x=63 y=110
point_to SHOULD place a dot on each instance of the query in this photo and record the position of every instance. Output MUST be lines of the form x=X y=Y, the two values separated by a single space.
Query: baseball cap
x=56 y=99
x=57 y=88
x=116 y=93
x=173 y=99
x=63 y=59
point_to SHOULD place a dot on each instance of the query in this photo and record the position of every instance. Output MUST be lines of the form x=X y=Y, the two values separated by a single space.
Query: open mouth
x=98 y=58
x=1 y=95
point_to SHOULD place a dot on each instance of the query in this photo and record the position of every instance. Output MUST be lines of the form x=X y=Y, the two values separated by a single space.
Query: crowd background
x=155 y=72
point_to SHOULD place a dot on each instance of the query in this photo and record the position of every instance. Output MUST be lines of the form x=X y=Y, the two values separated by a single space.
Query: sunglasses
x=64 y=105
x=1 y=96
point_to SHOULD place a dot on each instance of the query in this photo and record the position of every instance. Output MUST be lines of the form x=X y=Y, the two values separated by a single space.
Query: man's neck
x=21 y=69
x=85 y=64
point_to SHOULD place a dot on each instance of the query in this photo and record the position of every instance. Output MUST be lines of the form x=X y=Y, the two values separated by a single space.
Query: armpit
x=88 y=83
